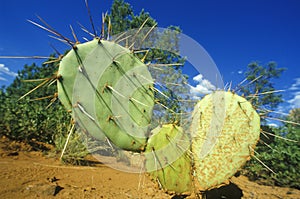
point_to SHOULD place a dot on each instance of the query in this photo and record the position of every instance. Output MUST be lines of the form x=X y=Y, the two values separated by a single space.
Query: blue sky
x=233 y=32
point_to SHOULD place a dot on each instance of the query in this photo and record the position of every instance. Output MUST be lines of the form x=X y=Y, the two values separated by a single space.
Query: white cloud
x=203 y=86
x=5 y=71
x=2 y=78
x=272 y=125
x=295 y=101
x=239 y=72
x=296 y=85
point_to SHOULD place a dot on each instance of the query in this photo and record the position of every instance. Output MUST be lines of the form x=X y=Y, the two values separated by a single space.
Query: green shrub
x=283 y=158
x=29 y=119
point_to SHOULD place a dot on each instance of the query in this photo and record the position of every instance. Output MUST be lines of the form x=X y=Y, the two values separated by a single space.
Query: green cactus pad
x=225 y=129
x=167 y=159
x=109 y=91
x=68 y=70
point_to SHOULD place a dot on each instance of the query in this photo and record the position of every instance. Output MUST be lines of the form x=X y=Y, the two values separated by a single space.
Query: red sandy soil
x=26 y=173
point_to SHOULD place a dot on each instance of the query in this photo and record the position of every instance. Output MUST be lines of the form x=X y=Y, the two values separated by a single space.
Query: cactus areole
x=225 y=129
x=109 y=92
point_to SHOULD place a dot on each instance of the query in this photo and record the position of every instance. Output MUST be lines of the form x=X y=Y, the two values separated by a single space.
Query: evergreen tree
x=260 y=87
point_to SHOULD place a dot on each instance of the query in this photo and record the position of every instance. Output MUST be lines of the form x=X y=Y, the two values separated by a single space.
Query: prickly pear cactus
x=225 y=129
x=168 y=160
x=109 y=91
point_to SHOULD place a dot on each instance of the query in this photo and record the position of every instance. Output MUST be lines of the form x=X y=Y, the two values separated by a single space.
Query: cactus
x=109 y=92
x=225 y=129
x=167 y=158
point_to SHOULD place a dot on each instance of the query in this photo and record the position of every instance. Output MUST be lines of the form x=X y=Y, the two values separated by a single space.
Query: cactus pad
x=110 y=92
x=167 y=158
x=225 y=129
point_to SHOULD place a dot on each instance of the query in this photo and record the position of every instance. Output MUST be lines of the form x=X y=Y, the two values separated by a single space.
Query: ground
x=26 y=173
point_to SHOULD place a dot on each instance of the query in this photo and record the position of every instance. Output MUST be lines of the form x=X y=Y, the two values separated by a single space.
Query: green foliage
x=122 y=18
x=283 y=157
x=260 y=81
x=26 y=119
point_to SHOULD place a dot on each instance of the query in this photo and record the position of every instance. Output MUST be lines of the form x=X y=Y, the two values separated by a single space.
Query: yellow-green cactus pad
x=168 y=160
x=225 y=129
